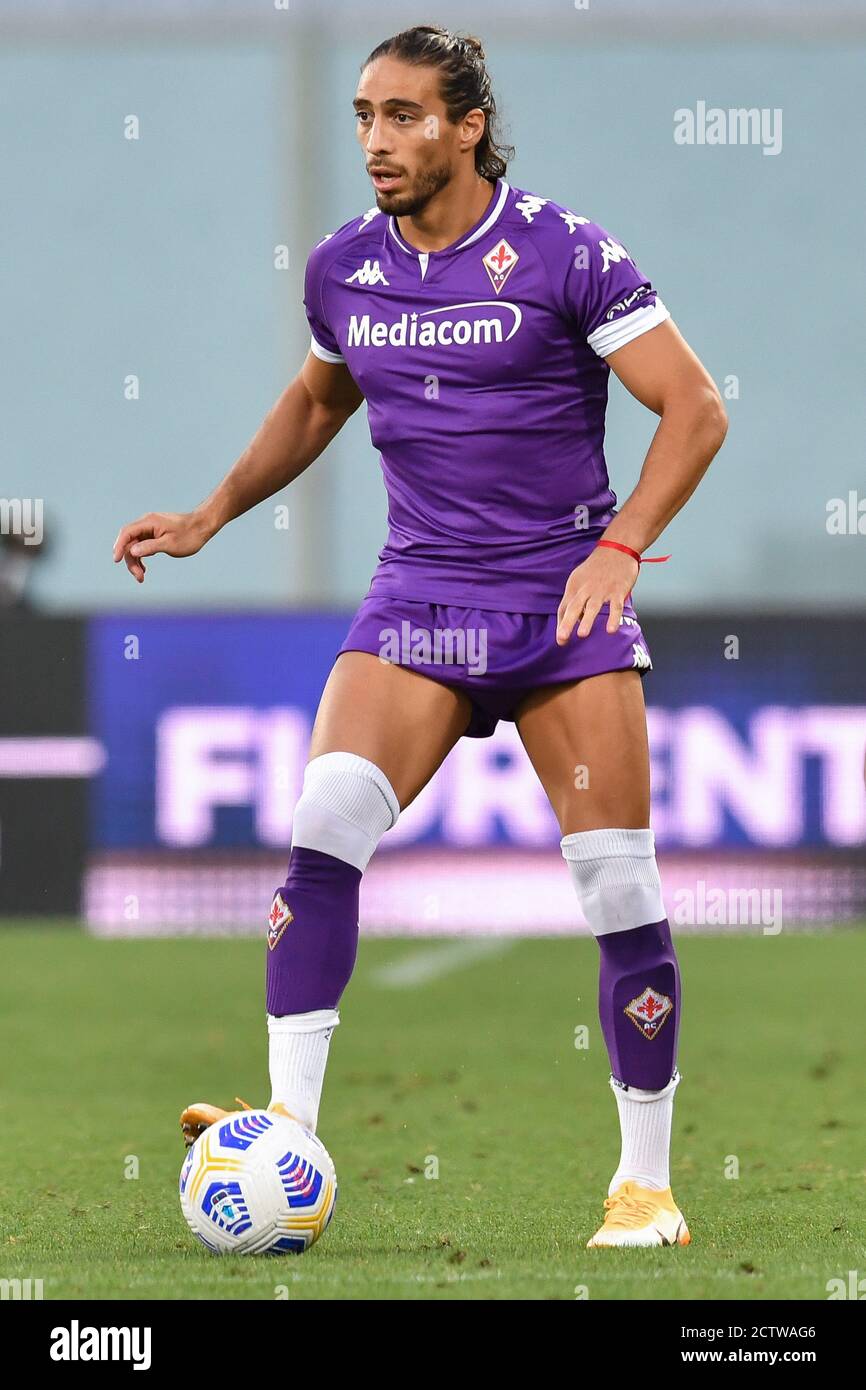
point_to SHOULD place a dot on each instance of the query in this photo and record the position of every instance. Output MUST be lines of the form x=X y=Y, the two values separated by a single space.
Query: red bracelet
x=627 y=550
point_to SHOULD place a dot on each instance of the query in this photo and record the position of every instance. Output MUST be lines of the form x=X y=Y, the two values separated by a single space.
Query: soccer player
x=480 y=323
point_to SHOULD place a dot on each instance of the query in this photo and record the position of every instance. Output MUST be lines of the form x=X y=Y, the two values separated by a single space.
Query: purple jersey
x=483 y=370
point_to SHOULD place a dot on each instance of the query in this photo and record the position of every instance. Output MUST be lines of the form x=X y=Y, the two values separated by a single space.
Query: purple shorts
x=497 y=659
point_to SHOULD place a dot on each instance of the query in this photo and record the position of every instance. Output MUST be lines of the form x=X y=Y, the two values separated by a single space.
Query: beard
x=425 y=186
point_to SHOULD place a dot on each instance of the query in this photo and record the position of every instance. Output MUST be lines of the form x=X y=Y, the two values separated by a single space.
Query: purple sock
x=639 y=1004
x=312 y=934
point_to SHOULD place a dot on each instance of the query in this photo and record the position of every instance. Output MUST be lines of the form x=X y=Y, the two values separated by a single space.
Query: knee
x=616 y=878
x=346 y=805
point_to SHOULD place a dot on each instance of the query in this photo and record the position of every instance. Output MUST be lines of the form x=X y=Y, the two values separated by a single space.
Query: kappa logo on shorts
x=649 y=1011
x=499 y=263
x=279 y=918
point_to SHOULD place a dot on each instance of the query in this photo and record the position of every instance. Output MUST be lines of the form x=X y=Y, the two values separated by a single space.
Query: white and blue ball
x=257 y=1183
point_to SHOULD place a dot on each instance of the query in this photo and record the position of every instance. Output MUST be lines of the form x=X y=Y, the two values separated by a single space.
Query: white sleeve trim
x=324 y=354
x=609 y=336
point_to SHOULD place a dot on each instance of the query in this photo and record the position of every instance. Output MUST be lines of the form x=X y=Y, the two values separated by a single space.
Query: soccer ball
x=257 y=1183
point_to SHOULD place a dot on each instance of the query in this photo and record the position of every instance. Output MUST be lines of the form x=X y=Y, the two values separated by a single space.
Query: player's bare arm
x=664 y=374
x=304 y=420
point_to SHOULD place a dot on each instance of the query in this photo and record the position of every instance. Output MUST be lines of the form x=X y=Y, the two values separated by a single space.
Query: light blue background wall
x=156 y=257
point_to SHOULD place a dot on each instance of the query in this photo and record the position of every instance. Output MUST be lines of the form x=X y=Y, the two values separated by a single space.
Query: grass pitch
x=453 y=1052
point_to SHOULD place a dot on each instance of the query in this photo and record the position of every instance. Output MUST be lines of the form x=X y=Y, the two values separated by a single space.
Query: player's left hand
x=605 y=576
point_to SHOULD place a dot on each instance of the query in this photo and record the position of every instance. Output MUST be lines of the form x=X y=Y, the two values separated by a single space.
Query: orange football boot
x=196 y=1118
x=638 y=1215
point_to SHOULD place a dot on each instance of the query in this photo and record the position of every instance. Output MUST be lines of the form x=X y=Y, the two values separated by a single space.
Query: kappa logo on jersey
x=642 y=659
x=649 y=1011
x=279 y=918
x=370 y=273
x=529 y=205
x=612 y=253
x=499 y=263
x=573 y=221
x=368 y=217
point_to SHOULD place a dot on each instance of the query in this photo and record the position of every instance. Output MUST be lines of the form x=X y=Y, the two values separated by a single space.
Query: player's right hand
x=166 y=533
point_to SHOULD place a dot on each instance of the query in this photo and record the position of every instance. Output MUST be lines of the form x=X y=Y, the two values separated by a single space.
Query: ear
x=472 y=128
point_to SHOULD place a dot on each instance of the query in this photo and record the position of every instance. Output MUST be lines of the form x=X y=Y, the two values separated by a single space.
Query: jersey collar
x=479 y=230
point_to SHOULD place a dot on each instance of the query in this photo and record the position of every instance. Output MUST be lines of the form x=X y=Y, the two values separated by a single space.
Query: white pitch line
x=434 y=962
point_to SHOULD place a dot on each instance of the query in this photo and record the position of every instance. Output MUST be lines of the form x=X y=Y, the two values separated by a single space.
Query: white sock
x=297 y=1056
x=615 y=877
x=645 y=1120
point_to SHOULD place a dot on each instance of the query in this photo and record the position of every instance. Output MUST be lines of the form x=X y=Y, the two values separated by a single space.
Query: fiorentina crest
x=279 y=918
x=649 y=1011
x=499 y=263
